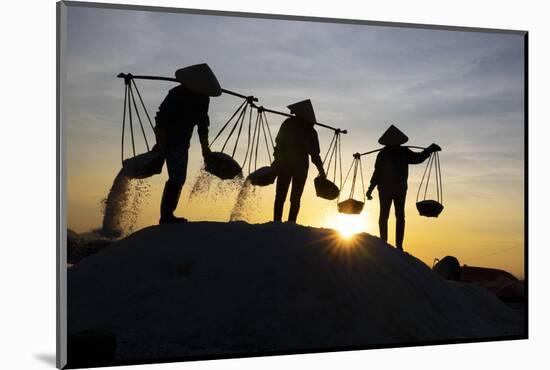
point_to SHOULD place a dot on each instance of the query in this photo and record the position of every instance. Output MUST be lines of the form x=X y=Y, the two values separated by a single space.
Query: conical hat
x=393 y=136
x=199 y=78
x=303 y=110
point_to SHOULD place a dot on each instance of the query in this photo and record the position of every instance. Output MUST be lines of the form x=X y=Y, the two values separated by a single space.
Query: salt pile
x=193 y=289
x=82 y=245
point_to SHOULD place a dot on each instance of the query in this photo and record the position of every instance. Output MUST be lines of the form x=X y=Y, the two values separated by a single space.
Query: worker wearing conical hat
x=296 y=142
x=391 y=172
x=185 y=107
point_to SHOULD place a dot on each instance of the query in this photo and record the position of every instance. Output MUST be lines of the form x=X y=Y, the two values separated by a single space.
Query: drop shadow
x=47 y=358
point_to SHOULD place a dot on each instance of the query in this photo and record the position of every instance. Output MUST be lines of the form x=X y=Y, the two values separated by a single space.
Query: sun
x=348 y=225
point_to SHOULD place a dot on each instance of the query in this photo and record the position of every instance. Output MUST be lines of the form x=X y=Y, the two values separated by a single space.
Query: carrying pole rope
x=269 y=131
x=433 y=162
x=130 y=121
x=249 y=139
x=329 y=149
x=347 y=176
x=257 y=143
x=440 y=179
x=227 y=123
x=334 y=153
x=123 y=124
x=362 y=178
x=143 y=105
x=422 y=181
x=357 y=167
x=436 y=177
x=265 y=136
x=133 y=99
x=253 y=141
x=261 y=127
x=340 y=160
x=130 y=106
x=241 y=115
x=430 y=162
x=337 y=157
x=252 y=144
x=239 y=133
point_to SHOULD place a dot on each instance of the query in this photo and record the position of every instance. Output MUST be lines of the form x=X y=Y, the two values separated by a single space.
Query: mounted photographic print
x=235 y=184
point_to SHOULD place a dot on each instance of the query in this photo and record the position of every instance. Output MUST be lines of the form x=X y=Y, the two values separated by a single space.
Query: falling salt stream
x=126 y=197
x=217 y=189
x=122 y=205
x=246 y=201
x=201 y=186
x=242 y=210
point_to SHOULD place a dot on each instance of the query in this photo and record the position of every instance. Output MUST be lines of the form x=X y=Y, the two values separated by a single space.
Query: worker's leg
x=298 y=183
x=176 y=163
x=399 y=206
x=281 y=190
x=385 y=204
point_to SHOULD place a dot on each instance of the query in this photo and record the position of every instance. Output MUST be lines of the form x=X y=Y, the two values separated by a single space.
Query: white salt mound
x=208 y=288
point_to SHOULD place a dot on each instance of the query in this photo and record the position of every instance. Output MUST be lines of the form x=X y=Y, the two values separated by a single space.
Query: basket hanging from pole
x=325 y=187
x=352 y=206
x=148 y=163
x=265 y=175
x=223 y=164
x=220 y=163
x=430 y=207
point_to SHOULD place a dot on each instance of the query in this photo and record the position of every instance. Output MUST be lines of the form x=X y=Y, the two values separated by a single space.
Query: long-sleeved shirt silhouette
x=295 y=142
x=179 y=112
x=391 y=170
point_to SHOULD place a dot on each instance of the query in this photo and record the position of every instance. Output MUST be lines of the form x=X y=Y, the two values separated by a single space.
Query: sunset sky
x=462 y=90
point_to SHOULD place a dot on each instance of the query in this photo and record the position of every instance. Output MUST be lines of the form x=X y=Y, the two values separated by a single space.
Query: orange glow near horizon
x=437 y=86
x=348 y=225
x=491 y=236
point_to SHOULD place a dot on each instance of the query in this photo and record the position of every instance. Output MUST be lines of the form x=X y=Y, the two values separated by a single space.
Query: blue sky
x=462 y=90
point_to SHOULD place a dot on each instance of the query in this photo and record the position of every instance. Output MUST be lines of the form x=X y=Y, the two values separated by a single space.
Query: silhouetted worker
x=296 y=141
x=391 y=171
x=185 y=107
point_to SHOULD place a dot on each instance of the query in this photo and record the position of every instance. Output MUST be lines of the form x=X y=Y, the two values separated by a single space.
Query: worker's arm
x=203 y=122
x=419 y=157
x=315 y=154
x=161 y=139
x=374 y=177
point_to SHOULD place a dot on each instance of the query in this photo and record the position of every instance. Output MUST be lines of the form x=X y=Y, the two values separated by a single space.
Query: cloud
x=463 y=90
